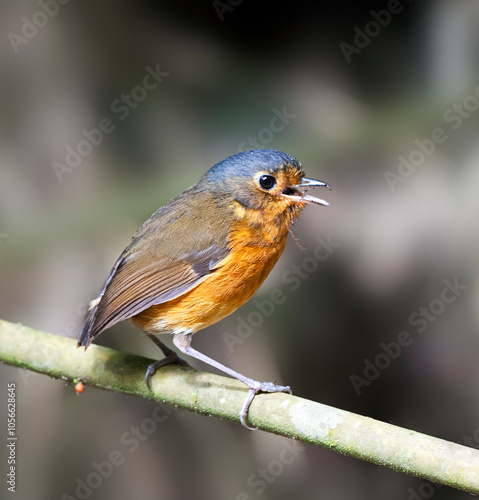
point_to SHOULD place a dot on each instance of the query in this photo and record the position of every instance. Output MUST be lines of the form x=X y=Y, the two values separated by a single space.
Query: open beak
x=300 y=194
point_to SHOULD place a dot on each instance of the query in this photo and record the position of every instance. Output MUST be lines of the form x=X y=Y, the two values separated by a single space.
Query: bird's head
x=263 y=179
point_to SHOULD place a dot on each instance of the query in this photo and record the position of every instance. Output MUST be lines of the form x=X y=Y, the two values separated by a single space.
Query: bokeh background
x=356 y=91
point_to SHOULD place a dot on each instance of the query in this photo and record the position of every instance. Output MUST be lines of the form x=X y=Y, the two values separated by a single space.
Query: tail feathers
x=91 y=329
x=88 y=333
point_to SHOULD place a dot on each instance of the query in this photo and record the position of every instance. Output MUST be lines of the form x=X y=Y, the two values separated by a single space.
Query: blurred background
x=379 y=100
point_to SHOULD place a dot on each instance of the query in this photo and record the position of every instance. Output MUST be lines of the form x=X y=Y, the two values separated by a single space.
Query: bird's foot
x=254 y=388
x=171 y=359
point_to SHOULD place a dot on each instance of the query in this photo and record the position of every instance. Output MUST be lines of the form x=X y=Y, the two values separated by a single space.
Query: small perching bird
x=204 y=254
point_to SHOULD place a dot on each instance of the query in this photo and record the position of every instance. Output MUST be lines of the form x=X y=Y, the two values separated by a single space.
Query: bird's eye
x=267 y=182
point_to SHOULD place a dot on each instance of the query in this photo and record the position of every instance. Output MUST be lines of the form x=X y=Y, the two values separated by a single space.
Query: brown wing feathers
x=158 y=266
x=129 y=294
x=131 y=287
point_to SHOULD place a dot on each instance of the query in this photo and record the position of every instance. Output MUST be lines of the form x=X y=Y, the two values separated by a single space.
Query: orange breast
x=234 y=282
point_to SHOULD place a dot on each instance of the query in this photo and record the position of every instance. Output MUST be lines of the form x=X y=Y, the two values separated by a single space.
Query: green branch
x=354 y=435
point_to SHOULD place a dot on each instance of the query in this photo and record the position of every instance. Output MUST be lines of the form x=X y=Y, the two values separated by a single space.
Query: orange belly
x=220 y=294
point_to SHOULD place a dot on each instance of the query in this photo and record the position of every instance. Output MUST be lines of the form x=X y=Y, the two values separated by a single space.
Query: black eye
x=267 y=181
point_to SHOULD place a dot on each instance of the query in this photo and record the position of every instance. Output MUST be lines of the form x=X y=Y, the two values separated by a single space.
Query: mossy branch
x=361 y=437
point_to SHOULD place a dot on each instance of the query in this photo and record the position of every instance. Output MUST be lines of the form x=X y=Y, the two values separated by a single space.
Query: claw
x=149 y=372
x=244 y=409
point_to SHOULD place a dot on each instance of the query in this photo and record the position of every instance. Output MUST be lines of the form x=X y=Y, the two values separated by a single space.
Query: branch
x=354 y=435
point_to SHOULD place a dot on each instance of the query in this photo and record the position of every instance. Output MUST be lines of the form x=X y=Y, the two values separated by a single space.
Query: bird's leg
x=183 y=342
x=170 y=358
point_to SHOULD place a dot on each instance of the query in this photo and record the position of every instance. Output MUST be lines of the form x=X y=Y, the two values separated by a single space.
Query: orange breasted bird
x=204 y=254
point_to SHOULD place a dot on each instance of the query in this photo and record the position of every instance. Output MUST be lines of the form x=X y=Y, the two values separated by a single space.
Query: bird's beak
x=300 y=194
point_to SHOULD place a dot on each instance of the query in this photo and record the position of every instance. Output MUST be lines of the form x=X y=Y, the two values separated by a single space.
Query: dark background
x=395 y=240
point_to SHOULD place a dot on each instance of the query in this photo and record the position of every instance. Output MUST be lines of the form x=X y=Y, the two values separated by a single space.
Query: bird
x=203 y=255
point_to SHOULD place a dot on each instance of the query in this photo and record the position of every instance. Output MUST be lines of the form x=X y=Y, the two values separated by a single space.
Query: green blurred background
x=363 y=94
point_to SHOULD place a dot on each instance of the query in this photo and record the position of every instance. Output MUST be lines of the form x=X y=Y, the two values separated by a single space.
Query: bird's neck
x=264 y=227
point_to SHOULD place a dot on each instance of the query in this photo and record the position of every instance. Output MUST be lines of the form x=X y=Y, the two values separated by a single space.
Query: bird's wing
x=154 y=270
